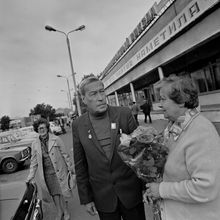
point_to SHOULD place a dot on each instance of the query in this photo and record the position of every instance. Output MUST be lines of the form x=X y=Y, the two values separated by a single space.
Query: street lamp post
x=68 y=97
x=68 y=85
x=80 y=28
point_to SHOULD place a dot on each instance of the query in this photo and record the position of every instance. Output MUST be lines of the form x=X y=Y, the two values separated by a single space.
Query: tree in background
x=45 y=110
x=5 y=122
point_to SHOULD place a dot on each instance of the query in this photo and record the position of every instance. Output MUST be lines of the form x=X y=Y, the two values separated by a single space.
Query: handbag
x=71 y=180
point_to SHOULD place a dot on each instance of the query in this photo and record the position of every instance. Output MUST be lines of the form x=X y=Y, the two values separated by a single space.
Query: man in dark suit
x=105 y=184
x=146 y=107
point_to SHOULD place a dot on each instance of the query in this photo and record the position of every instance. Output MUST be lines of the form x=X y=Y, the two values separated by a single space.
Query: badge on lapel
x=89 y=134
x=113 y=126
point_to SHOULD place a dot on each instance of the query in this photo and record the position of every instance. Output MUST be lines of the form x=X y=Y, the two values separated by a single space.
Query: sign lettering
x=190 y=13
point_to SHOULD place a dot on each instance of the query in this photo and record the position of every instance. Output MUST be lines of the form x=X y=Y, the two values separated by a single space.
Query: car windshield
x=12 y=138
x=53 y=124
x=8 y=139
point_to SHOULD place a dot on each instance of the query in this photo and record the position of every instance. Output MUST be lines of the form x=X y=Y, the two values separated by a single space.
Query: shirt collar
x=182 y=123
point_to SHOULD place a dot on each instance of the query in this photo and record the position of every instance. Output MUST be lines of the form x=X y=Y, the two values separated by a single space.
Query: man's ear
x=83 y=99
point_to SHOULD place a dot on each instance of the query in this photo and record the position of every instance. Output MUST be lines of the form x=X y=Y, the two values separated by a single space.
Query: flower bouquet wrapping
x=145 y=152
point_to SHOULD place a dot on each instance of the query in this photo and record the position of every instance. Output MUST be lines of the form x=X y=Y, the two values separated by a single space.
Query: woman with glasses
x=52 y=163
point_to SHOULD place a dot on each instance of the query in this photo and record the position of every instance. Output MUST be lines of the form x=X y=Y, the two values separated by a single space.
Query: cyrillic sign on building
x=189 y=14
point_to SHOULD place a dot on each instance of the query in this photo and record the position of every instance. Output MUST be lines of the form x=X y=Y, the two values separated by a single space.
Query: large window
x=124 y=99
x=216 y=73
x=200 y=80
x=139 y=96
x=157 y=93
x=207 y=78
x=112 y=100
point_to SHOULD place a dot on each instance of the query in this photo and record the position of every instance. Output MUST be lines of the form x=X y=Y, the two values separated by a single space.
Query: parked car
x=19 y=201
x=9 y=139
x=25 y=133
x=55 y=128
x=13 y=156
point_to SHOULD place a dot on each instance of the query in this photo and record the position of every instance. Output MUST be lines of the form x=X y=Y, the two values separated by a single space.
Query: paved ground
x=158 y=121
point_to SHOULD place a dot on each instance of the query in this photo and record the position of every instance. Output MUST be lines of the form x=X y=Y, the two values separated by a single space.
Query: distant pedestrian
x=146 y=107
x=135 y=110
x=62 y=125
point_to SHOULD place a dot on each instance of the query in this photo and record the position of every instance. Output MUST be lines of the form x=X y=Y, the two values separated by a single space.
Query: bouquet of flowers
x=145 y=152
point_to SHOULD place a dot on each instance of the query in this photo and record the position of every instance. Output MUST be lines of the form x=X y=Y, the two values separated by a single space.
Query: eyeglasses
x=41 y=128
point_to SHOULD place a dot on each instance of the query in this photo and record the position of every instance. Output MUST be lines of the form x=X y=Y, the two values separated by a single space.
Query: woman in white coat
x=52 y=162
x=190 y=189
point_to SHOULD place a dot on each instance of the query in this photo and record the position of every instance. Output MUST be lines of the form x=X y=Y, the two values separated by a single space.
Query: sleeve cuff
x=162 y=189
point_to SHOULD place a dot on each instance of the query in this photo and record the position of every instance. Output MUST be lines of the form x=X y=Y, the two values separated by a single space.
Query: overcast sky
x=31 y=57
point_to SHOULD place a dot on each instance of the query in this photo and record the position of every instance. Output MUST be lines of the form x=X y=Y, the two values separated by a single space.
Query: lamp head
x=49 y=28
x=80 y=28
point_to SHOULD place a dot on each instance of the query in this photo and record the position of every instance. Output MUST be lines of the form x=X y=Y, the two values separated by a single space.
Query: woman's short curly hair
x=182 y=90
x=39 y=122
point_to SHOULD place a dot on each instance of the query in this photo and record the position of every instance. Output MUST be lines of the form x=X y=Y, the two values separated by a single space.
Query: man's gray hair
x=86 y=82
x=182 y=90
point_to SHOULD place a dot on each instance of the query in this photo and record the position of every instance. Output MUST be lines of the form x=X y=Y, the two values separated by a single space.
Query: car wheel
x=9 y=165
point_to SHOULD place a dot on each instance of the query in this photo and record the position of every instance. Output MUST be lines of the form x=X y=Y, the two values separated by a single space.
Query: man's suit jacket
x=100 y=179
x=146 y=108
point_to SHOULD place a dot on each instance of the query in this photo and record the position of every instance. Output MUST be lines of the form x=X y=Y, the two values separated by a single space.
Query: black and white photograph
x=110 y=110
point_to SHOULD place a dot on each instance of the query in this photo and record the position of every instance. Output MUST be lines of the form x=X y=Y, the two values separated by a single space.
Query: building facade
x=174 y=37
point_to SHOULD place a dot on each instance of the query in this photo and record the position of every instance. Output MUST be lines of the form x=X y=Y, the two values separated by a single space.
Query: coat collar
x=114 y=127
x=51 y=142
x=182 y=123
x=90 y=133
x=114 y=120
